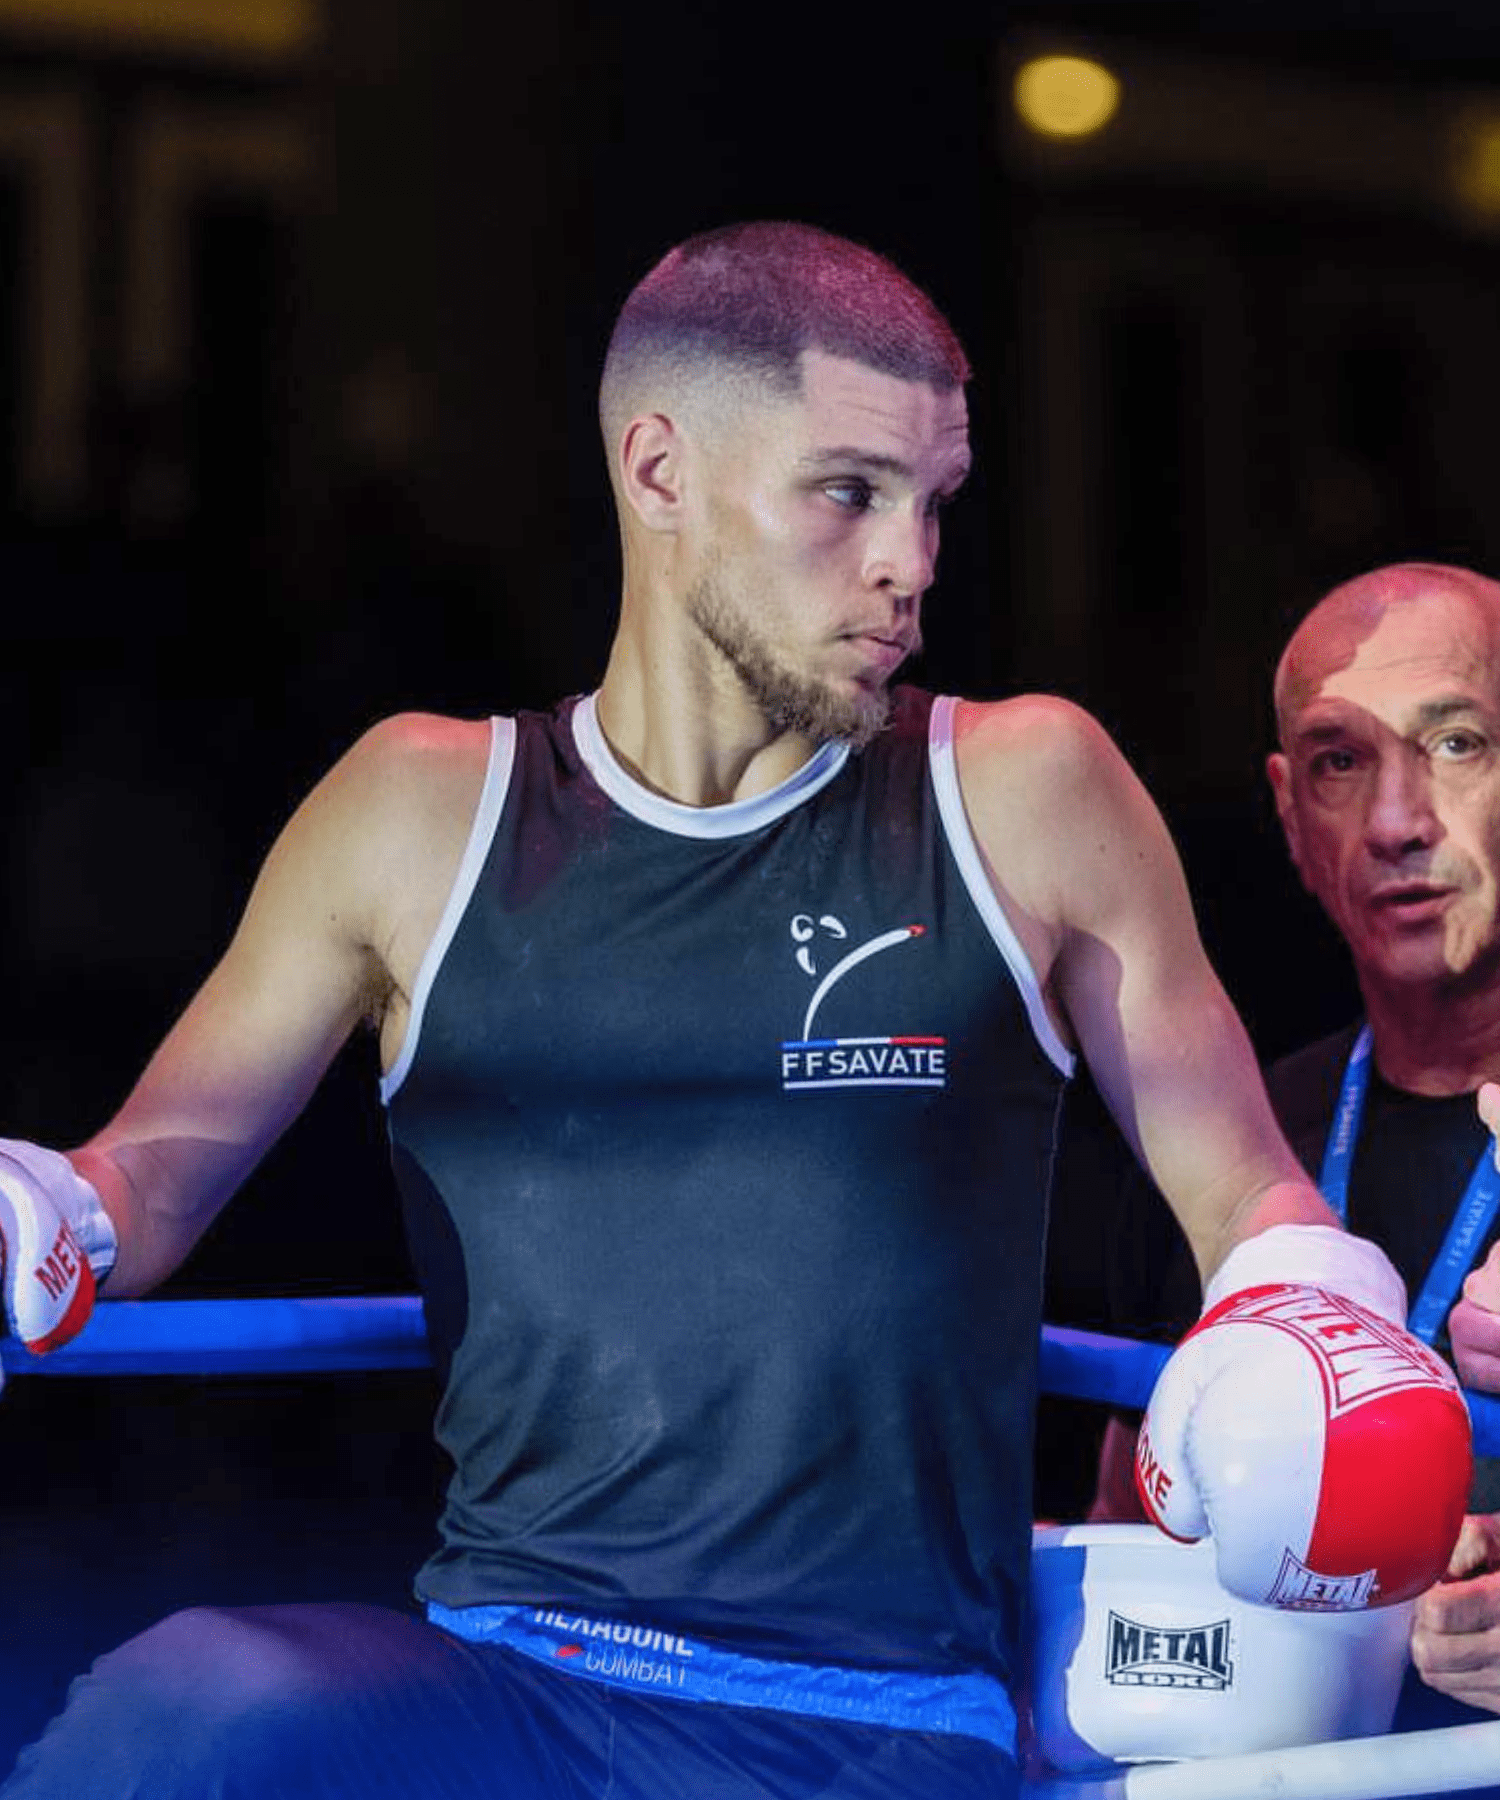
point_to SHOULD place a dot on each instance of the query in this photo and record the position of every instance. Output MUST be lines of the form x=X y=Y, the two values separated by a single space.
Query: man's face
x=818 y=538
x=1389 y=787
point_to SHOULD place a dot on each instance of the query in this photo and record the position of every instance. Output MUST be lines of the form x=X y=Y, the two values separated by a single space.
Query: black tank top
x=724 y=1138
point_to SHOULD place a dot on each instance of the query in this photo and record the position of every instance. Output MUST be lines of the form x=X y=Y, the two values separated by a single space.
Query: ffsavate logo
x=880 y=1060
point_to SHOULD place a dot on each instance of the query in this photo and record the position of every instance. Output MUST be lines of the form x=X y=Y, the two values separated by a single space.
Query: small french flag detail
x=844 y=1062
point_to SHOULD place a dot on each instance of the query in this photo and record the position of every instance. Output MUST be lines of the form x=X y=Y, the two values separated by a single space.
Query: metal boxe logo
x=1361 y=1356
x=1168 y=1656
x=1301 y=1589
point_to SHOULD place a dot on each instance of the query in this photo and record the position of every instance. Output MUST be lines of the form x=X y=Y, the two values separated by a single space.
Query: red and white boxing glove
x=56 y=1244
x=1325 y=1448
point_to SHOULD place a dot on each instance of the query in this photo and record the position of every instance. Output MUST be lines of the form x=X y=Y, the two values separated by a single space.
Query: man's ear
x=1279 y=774
x=652 y=469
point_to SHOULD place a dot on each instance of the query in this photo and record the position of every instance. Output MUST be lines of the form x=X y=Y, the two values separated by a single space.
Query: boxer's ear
x=652 y=471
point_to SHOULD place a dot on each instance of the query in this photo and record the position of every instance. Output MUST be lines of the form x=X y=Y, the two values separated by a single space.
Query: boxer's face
x=818 y=537
x=1389 y=788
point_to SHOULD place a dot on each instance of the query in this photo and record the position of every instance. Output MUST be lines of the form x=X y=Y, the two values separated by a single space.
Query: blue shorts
x=348 y=1702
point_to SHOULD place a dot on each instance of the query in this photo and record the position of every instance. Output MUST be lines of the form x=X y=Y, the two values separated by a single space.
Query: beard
x=788 y=700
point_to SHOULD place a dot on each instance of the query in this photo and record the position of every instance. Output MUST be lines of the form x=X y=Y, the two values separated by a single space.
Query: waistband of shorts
x=646 y=1659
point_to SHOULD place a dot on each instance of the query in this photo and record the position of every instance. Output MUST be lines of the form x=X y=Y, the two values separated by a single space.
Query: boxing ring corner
x=276 y=1336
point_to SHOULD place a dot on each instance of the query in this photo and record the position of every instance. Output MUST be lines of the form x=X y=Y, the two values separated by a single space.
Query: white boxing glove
x=56 y=1244
x=1325 y=1448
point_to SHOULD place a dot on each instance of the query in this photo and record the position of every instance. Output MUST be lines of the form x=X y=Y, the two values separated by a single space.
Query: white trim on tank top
x=486 y=817
x=961 y=842
x=731 y=820
x=715 y=822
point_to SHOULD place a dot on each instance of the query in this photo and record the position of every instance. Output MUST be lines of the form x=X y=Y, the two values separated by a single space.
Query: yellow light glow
x=1066 y=96
x=1476 y=163
x=270 y=27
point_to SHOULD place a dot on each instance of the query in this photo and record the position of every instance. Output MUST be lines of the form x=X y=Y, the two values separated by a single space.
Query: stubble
x=788 y=699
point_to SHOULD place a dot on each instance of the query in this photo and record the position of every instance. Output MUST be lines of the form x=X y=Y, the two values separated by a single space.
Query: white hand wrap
x=1312 y=1256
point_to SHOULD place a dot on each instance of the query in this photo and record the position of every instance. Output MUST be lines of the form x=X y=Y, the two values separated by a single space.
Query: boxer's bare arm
x=1086 y=870
x=333 y=932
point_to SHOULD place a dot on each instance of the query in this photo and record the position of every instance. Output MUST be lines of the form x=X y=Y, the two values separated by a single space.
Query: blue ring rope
x=1086 y=1365
x=269 y=1336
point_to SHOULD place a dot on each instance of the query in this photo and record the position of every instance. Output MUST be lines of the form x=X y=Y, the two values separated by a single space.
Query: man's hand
x=1474 y=1324
x=1455 y=1640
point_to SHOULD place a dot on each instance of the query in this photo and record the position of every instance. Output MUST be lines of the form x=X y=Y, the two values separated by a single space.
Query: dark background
x=297 y=356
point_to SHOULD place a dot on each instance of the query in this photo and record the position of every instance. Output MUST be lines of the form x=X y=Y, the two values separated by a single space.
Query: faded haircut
x=747 y=300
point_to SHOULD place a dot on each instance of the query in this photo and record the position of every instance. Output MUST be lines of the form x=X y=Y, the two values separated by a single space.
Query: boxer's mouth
x=884 y=651
x=890 y=638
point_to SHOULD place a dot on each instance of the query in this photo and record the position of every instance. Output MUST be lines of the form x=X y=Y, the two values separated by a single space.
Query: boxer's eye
x=854 y=494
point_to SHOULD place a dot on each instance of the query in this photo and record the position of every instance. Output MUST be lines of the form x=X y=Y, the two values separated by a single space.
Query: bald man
x=1387 y=783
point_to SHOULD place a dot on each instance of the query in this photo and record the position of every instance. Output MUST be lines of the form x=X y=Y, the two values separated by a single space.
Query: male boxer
x=1387 y=782
x=724 y=1015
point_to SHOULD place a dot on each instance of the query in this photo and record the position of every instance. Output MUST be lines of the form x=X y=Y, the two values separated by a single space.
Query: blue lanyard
x=1473 y=1218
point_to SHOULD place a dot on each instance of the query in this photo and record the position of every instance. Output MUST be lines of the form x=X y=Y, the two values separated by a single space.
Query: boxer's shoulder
x=407 y=788
x=1039 y=758
x=421 y=759
x=394 y=817
x=366 y=863
x=1059 y=811
x=1020 y=763
x=1026 y=766
x=1034 y=735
